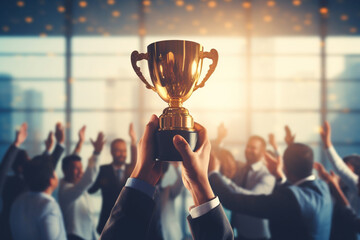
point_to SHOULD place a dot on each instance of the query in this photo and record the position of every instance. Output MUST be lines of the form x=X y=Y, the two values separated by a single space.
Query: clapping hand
x=21 y=135
x=289 y=137
x=325 y=133
x=99 y=143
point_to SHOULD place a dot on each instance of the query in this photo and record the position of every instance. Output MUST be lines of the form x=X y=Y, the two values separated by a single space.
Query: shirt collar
x=256 y=166
x=309 y=178
x=118 y=168
x=42 y=194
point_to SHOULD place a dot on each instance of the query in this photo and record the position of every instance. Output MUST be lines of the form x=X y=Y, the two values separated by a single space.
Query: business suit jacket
x=295 y=212
x=132 y=213
x=110 y=187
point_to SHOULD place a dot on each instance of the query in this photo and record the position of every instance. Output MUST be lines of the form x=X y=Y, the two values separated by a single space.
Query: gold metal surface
x=175 y=67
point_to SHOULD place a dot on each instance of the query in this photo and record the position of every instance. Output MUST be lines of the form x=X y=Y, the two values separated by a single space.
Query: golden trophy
x=175 y=68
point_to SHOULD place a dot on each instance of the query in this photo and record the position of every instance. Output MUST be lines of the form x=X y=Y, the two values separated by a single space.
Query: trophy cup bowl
x=175 y=68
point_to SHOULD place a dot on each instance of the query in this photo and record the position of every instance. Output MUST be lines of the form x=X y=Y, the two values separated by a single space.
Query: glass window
x=286 y=95
x=279 y=67
x=304 y=125
x=343 y=95
x=345 y=127
x=343 y=67
x=105 y=94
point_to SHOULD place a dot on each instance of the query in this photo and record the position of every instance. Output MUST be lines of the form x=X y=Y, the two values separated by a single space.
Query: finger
x=150 y=128
x=332 y=173
x=92 y=141
x=182 y=147
x=287 y=130
x=327 y=126
x=202 y=135
x=24 y=126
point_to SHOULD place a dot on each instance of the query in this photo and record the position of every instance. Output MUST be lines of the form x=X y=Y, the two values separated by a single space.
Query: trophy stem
x=175 y=103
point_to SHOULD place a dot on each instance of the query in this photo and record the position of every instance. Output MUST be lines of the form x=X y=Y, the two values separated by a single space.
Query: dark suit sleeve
x=6 y=163
x=211 y=226
x=348 y=218
x=280 y=203
x=56 y=154
x=130 y=216
x=96 y=186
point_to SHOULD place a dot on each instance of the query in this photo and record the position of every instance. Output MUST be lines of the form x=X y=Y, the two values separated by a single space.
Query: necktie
x=119 y=173
x=245 y=175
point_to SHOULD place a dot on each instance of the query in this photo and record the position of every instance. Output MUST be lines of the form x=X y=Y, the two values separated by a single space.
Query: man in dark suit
x=300 y=209
x=112 y=177
x=131 y=215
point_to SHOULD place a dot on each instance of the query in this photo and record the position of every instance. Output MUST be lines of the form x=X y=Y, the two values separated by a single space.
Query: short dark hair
x=353 y=160
x=38 y=172
x=68 y=160
x=20 y=160
x=258 y=138
x=299 y=160
x=116 y=141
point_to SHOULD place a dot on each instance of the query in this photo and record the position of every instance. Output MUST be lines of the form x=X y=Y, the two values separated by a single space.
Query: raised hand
x=146 y=168
x=21 y=135
x=195 y=166
x=59 y=133
x=132 y=133
x=331 y=178
x=81 y=140
x=82 y=134
x=275 y=165
x=325 y=133
x=289 y=137
x=99 y=143
x=49 y=142
x=272 y=141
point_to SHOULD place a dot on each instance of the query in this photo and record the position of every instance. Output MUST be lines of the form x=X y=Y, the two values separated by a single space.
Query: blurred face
x=118 y=152
x=74 y=172
x=254 y=151
x=54 y=181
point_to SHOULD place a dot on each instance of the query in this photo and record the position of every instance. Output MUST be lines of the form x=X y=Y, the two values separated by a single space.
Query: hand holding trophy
x=175 y=67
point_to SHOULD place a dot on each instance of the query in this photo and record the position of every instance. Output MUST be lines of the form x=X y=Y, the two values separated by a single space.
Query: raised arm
x=289 y=136
x=60 y=139
x=71 y=193
x=207 y=219
x=81 y=140
x=11 y=153
x=339 y=165
x=272 y=142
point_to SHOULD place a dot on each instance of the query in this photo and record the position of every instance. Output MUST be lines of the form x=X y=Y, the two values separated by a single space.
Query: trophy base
x=165 y=149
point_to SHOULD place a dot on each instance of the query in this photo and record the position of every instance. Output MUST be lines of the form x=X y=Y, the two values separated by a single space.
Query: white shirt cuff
x=204 y=208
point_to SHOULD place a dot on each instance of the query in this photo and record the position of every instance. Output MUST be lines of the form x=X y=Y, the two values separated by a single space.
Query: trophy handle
x=213 y=55
x=135 y=57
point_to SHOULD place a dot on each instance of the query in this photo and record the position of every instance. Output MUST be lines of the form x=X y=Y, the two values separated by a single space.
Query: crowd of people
x=271 y=195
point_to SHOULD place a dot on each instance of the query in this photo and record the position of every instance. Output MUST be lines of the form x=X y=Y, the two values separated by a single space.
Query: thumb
x=182 y=147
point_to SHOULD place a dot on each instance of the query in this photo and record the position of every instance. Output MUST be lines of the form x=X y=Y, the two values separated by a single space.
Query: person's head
x=20 y=160
x=72 y=168
x=118 y=151
x=227 y=162
x=298 y=161
x=255 y=149
x=353 y=162
x=39 y=174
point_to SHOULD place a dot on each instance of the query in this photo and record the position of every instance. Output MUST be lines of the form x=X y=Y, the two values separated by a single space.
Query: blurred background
x=294 y=62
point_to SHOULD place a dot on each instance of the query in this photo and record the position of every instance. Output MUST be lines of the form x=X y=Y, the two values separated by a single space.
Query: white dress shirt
x=74 y=201
x=349 y=178
x=36 y=215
